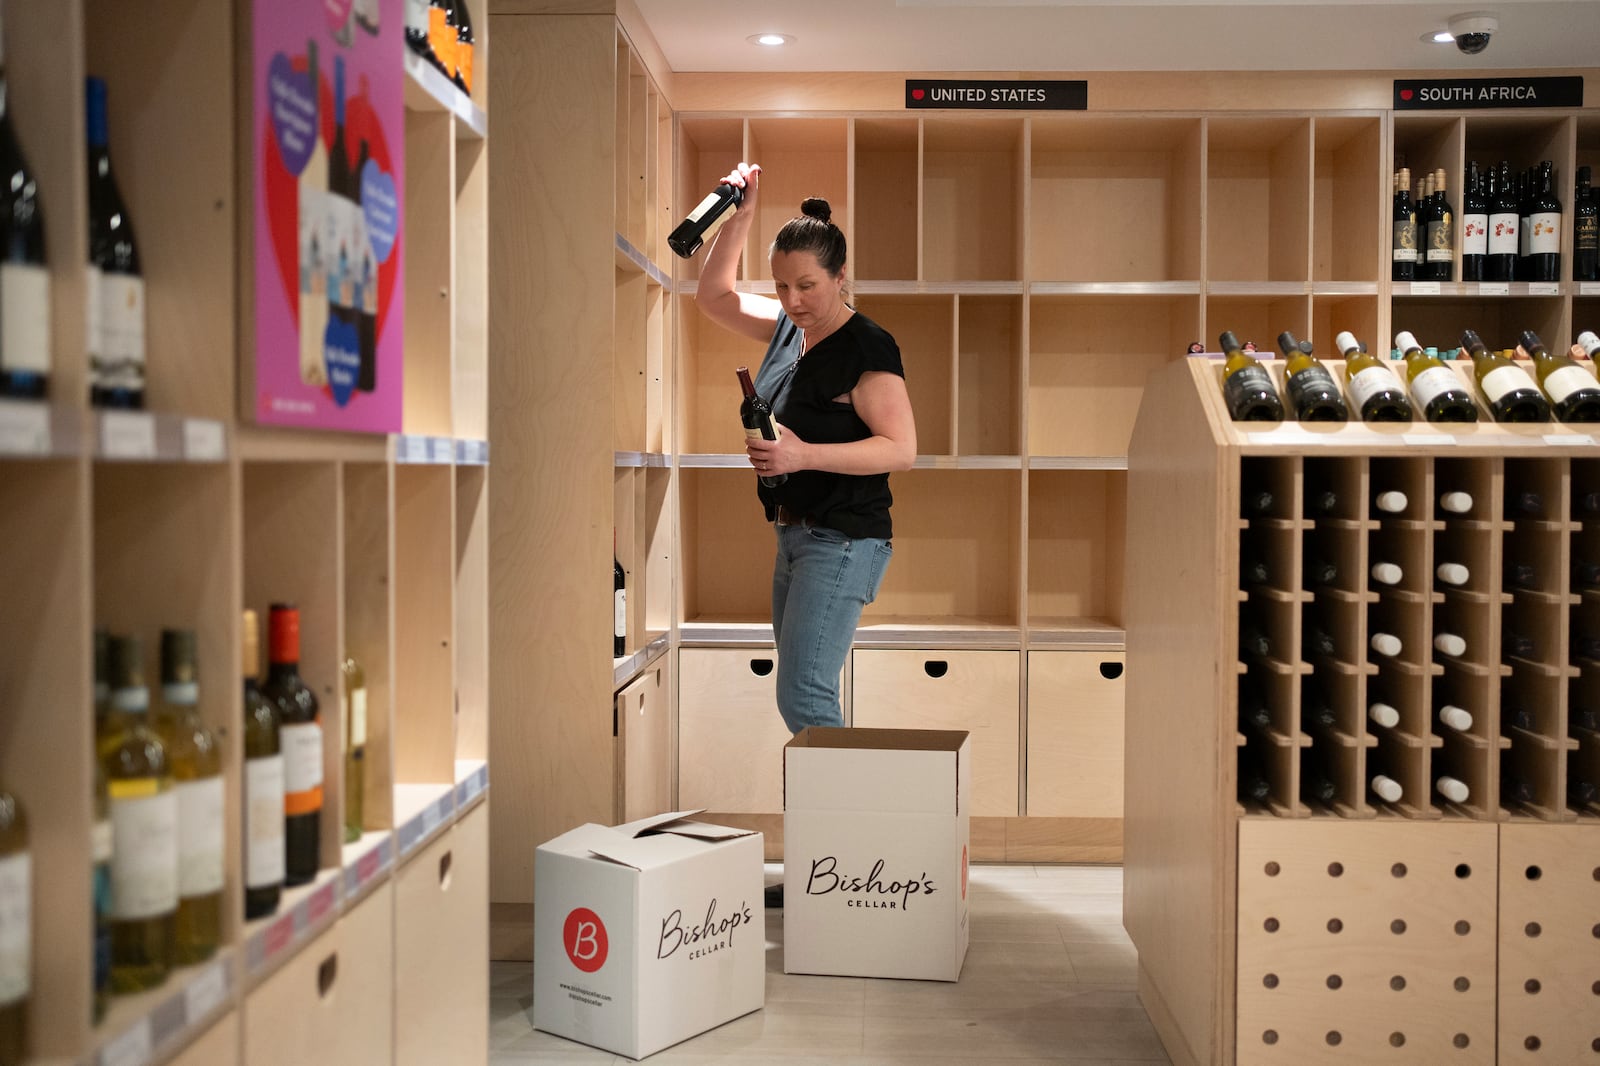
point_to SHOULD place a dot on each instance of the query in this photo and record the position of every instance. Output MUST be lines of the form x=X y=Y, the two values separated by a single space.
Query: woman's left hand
x=773 y=457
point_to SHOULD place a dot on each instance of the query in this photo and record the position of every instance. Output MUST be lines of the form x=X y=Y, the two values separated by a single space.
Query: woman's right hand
x=746 y=176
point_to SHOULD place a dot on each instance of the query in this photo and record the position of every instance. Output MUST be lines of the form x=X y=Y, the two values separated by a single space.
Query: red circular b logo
x=584 y=936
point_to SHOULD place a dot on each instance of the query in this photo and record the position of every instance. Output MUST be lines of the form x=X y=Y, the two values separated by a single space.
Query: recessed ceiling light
x=770 y=40
x=1439 y=37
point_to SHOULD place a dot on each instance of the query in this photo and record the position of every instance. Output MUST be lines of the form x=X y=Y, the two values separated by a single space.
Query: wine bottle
x=1312 y=391
x=16 y=924
x=1253 y=713
x=1516 y=790
x=1320 y=572
x=341 y=343
x=1524 y=205
x=1585 y=575
x=1544 y=227
x=1515 y=645
x=1454 y=717
x=1374 y=390
x=463 y=52
x=1585 y=231
x=1390 y=501
x=1513 y=718
x=1474 y=226
x=1504 y=224
x=1385 y=644
x=196 y=763
x=619 y=603
x=698 y=225
x=1387 y=573
x=1253 y=644
x=1316 y=786
x=1253 y=786
x=1317 y=716
x=355 y=748
x=1255 y=503
x=1573 y=391
x=1384 y=715
x=1246 y=386
x=1586 y=719
x=25 y=344
x=1318 y=643
x=1520 y=576
x=144 y=829
x=100 y=854
x=1508 y=390
x=263 y=785
x=115 y=292
x=1451 y=788
x=1254 y=572
x=300 y=734
x=1582 y=793
x=1585 y=646
x=417 y=29
x=1450 y=644
x=1387 y=788
x=756 y=414
x=1523 y=504
x=1322 y=502
x=1404 y=242
x=1452 y=573
x=312 y=196
x=442 y=36
x=1433 y=385
x=1440 y=258
x=1587 y=346
x=1456 y=502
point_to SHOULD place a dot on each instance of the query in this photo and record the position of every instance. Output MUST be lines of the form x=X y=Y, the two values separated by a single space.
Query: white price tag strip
x=24 y=429
x=1494 y=288
x=127 y=435
x=1568 y=439
x=1424 y=288
x=1427 y=440
x=443 y=450
x=432 y=817
x=1544 y=288
x=205 y=993
x=132 y=1048
x=1589 y=288
x=204 y=441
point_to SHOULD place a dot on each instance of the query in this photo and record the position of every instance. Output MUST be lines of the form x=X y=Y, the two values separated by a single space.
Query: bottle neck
x=277 y=671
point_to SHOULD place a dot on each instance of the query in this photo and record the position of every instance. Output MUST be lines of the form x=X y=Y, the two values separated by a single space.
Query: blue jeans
x=821 y=580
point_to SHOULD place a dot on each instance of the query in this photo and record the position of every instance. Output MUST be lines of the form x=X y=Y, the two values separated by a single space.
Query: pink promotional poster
x=329 y=184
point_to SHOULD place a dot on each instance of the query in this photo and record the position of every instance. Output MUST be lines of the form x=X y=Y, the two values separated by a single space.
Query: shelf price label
x=1494 y=288
x=133 y=1048
x=1567 y=440
x=441 y=450
x=1427 y=440
x=1589 y=288
x=205 y=993
x=1424 y=288
x=1544 y=288
x=24 y=429
x=204 y=441
x=127 y=435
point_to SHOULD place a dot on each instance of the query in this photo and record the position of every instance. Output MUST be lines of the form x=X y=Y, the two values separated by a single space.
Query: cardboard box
x=648 y=933
x=875 y=837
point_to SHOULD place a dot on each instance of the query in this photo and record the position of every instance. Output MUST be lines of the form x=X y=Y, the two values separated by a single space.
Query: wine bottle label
x=1544 y=233
x=442 y=37
x=464 y=63
x=25 y=317
x=263 y=804
x=100 y=841
x=16 y=925
x=200 y=807
x=1440 y=233
x=118 y=307
x=1586 y=233
x=1244 y=382
x=358 y=718
x=302 y=767
x=1365 y=384
x=1405 y=241
x=1503 y=231
x=1563 y=383
x=1312 y=380
x=1433 y=383
x=1500 y=382
x=704 y=206
x=619 y=605
x=1474 y=234
x=416 y=18
x=144 y=859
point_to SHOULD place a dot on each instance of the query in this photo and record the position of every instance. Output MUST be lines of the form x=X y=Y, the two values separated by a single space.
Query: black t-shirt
x=802 y=393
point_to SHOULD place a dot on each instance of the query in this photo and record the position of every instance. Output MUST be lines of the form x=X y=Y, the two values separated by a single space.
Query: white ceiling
x=934 y=36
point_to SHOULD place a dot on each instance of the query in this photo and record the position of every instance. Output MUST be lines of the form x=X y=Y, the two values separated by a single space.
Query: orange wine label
x=464 y=63
x=442 y=37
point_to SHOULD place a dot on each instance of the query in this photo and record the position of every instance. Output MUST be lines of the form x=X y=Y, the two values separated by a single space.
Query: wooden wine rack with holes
x=1288 y=903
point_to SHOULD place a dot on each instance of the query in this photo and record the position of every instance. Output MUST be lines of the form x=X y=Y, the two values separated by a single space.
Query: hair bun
x=816 y=207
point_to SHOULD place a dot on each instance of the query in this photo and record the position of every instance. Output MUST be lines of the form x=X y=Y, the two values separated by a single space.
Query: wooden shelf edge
x=153 y=1025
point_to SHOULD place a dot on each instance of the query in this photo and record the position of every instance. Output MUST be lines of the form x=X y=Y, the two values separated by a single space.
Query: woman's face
x=809 y=294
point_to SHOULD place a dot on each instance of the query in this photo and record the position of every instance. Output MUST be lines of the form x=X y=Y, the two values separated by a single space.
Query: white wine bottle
x=1387 y=788
x=1247 y=388
x=1449 y=644
x=1456 y=502
x=1391 y=501
x=1452 y=788
x=355 y=749
x=1374 y=390
x=1508 y=390
x=1455 y=718
x=1384 y=715
x=1435 y=388
x=1587 y=346
x=1573 y=391
x=698 y=225
x=1387 y=573
x=1452 y=573
x=16 y=928
x=1386 y=644
x=1313 y=393
x=263 y=785
x=196 y=763
x=144 y=828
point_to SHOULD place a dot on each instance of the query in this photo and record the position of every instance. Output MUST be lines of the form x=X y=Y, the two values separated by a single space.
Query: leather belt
x=785 y=516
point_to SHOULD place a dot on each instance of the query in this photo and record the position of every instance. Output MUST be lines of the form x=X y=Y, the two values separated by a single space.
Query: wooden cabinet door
x=730 y=736
x=644 y=746
x=1075 y=734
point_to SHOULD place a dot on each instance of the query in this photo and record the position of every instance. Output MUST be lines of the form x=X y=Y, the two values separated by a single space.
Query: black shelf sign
x=1463 y=94
x=998 y=95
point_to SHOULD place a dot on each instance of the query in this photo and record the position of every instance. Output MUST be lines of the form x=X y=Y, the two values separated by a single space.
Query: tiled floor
x=1050 y=976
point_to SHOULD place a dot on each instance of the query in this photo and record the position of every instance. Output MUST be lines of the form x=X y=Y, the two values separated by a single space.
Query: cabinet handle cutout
x=936 y=668
x=327 y=973
x=444 y=870
x=1110 y=671
x=761 y=667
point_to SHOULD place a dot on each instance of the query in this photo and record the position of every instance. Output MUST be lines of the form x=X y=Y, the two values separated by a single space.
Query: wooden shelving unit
x=1249 y=916
x=186 y=513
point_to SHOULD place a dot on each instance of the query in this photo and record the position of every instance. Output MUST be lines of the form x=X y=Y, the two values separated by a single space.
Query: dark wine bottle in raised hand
x=699 y=224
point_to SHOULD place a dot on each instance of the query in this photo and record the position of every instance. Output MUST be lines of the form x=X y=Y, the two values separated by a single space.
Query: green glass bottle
x=1510 y=392
x=263 y=786
x=1247 y=388
x=1374 y=390
x=16 y=928
x=1434 y=387
x=197 y=779
x=1313 y=393
x=1573 y=392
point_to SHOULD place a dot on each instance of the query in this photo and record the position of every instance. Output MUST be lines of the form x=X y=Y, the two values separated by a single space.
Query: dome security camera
x=1472 y=31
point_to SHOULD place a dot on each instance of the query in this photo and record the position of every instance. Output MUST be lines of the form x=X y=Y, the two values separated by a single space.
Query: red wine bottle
x=1585 y=231
x=1544 y=227
x=1504 y=221
x=24 y=277
x=1474 y=225
x=1404 y=244
x=756 y=414
x=116 y=282
x=300 y=733
x=687 y=237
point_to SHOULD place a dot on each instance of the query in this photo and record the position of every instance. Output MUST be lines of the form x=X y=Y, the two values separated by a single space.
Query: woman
x=838 y=394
